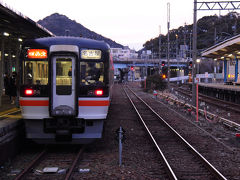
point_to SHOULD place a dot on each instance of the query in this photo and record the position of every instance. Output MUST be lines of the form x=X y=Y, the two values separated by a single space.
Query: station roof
x=228 y=48
x=15 y=27
x=18 y=25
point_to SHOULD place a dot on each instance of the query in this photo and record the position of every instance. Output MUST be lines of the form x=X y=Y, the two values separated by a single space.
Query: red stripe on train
x=34 y=102
x=93 y=103
x=46 y=103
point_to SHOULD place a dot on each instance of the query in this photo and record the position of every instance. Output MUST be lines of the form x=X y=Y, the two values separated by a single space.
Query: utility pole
x=194 y=53
x=168 y=45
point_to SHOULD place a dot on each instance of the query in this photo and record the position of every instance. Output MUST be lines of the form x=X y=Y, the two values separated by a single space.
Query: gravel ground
x=139 y=158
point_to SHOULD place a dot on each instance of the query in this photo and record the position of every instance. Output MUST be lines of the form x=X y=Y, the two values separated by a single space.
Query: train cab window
x=63 y=72
x=91 y=73
x=35 y=72
x=93 y=76
x=64 y=76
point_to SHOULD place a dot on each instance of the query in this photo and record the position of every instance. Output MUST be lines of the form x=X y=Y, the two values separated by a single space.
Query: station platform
x=221 y=86
x=11 y=130
x=6 y=104
x=221 y=91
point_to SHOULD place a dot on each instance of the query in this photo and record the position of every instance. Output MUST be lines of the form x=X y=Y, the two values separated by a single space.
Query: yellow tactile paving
x=4 y=113
x=13 y=116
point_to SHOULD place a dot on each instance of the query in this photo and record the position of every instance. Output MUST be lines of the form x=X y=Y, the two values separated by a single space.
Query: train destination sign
x=91 y=54
x=37 y=53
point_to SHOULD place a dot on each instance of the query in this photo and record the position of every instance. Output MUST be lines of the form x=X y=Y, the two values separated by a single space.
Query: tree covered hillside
x=210 y=29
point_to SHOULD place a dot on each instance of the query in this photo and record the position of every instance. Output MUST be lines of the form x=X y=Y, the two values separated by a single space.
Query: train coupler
x=63 y=135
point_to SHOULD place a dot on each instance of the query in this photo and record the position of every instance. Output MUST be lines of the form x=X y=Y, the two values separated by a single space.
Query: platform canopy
x=18 y=25
x=228 y=48
x=15 y=27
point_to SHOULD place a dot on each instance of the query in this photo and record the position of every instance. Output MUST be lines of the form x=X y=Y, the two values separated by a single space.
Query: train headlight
x=99 y=92
x=28 y=92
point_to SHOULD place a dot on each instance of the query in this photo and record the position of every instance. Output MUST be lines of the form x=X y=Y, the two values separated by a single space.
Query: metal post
x=120 y=146
x=215 y=70
x=190 y=46
x=160 y=44
x=225 y=69
x=184 y=40
x=18 y=72
x=146 y=66
x=194 y=53
x=177 y=55
x=236 y=69
x=1 y=70
x=132 y=75
x=168 y=64
x=10 y=60
x=197 y=102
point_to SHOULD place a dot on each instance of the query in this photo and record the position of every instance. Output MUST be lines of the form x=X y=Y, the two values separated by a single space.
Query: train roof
x=66 y=40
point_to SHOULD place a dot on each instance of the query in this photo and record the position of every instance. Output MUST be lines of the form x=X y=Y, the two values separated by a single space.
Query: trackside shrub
x=154 y=82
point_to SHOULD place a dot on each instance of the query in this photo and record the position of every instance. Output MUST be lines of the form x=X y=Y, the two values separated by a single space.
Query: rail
x=208 y=164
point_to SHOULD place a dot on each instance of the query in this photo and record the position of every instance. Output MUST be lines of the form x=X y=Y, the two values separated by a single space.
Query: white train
x=65 y=89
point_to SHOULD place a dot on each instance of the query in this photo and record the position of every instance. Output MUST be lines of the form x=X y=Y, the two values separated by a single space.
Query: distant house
x=146 y=54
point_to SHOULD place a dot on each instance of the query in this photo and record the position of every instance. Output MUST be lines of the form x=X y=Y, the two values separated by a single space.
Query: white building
x=123 y=54
x=146 y=54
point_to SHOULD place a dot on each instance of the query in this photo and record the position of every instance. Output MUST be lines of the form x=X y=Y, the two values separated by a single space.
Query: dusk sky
x=128 y=22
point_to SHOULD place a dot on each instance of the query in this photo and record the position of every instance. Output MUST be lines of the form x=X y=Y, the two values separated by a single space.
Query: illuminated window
x=91 y=72
x=35 y=72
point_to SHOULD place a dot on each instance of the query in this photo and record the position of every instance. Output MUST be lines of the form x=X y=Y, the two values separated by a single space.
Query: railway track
x=52 y=159
x=181 y=160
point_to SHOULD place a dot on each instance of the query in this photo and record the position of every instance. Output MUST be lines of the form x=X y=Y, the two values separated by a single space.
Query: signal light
x=29 y=92
x=164 y=76
x=99 y=92
x=132 y=68
x=163 y=63
x=190 y=63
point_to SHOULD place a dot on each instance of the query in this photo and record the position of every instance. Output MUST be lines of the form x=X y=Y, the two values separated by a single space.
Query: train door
x=63 y=90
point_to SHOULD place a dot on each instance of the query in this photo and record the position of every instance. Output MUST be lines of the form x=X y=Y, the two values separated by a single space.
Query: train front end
x=65 y=89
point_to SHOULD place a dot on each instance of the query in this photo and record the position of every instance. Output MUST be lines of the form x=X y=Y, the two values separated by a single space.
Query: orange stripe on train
x=46 y=103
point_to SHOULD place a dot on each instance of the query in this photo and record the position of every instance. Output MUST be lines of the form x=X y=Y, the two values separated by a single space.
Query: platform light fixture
x=198 y=60
x=215 y=59
x=5 y=54
x=222 y=57
x=13 y=56
x=229 y=55
x=20 y=39
x=6 y=34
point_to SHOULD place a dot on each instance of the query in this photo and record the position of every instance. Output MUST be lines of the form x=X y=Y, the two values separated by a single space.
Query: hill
x=57 y=23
